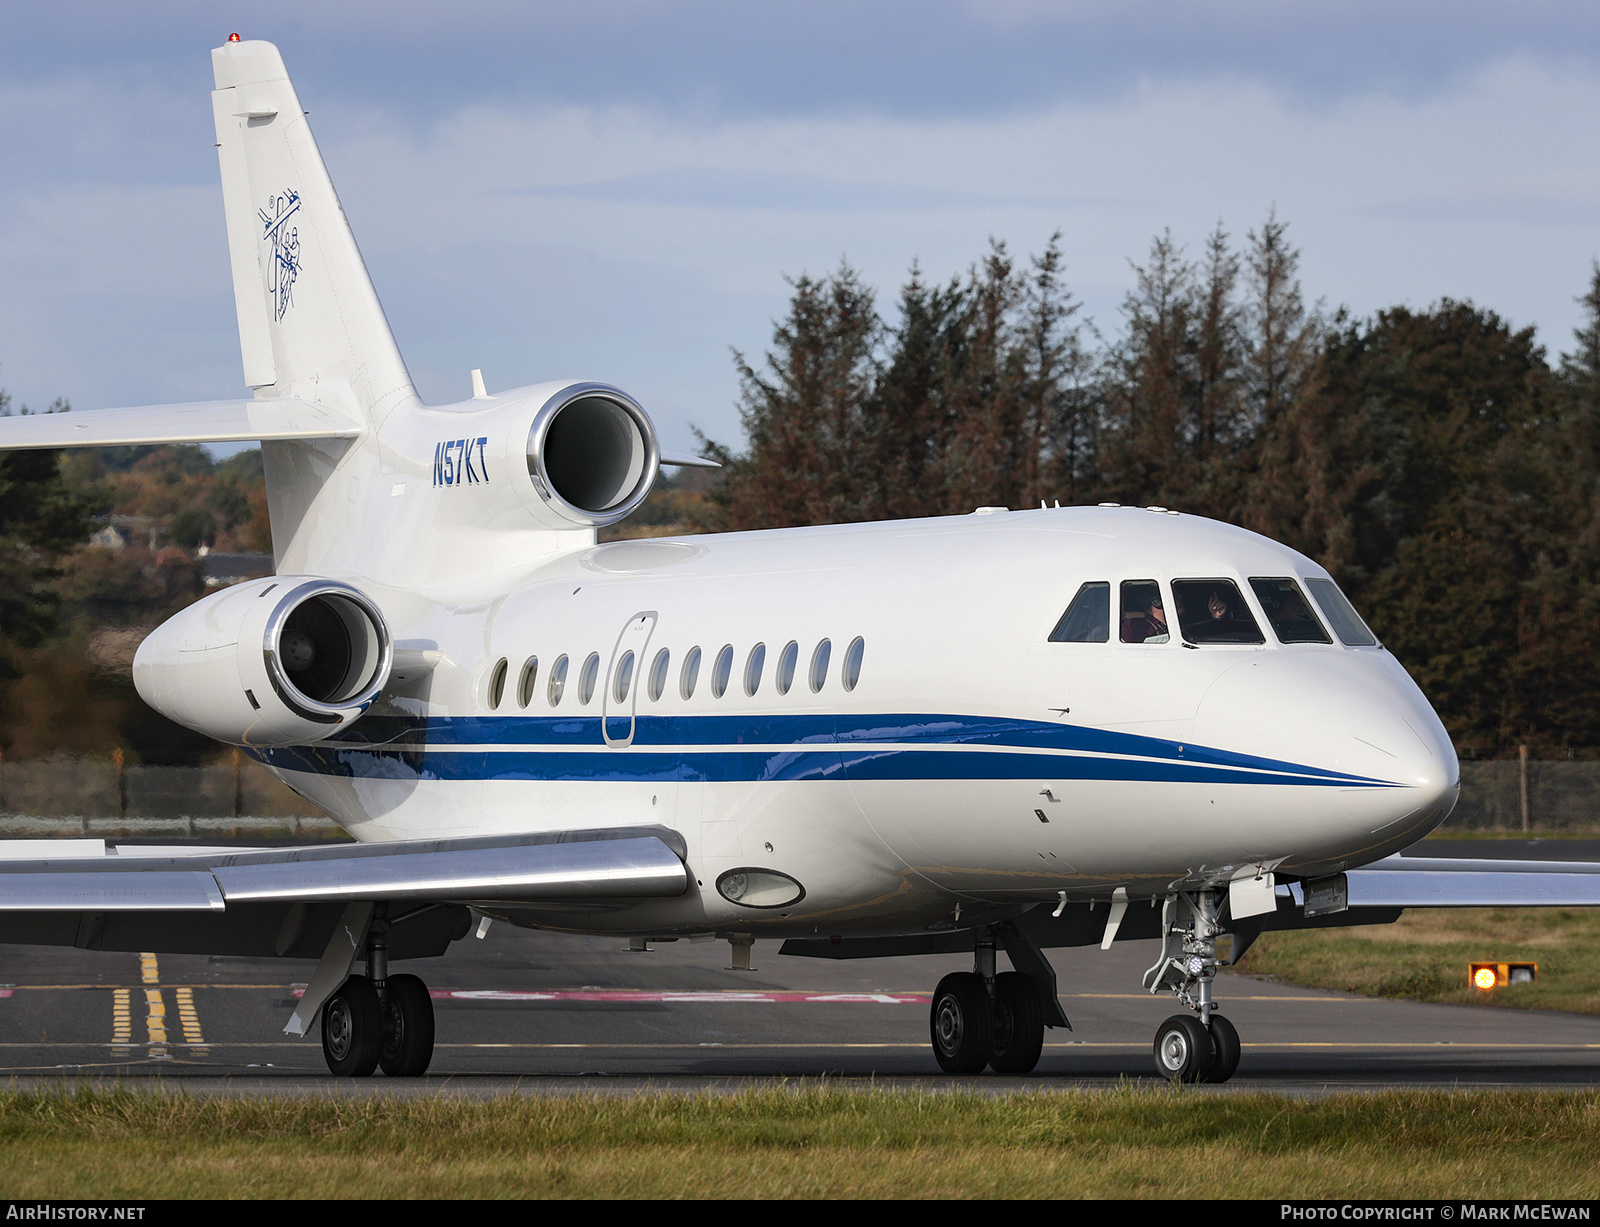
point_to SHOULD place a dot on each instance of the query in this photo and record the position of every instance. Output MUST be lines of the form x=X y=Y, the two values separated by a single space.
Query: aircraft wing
x=1425 y=881
x=571 y=865
x=213 y=421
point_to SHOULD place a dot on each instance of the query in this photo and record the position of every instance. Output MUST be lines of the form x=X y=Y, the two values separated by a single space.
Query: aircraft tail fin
x=307 y=311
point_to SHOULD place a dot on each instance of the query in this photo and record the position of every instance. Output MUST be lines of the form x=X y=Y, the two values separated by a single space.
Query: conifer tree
x=803 y=412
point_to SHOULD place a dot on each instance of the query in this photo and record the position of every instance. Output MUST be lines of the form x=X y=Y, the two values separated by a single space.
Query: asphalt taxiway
x=547 y=1013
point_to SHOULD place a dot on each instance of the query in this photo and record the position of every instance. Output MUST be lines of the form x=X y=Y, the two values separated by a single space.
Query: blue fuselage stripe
x=726 y=749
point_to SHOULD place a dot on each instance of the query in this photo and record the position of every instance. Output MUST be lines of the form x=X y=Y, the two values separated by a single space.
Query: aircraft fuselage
x=973 y=763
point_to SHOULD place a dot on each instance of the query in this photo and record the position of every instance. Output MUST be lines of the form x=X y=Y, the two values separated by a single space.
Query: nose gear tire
x=1183 y=1049
x=1225 y=1042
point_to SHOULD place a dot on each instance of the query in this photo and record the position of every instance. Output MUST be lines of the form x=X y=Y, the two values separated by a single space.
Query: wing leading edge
x=569 y=865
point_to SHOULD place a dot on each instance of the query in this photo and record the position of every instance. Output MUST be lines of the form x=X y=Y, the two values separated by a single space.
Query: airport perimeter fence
x=103 y=798
x=109 y=797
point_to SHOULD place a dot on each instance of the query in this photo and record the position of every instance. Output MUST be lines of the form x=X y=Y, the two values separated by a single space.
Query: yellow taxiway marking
x=122 y=1020
x=189 y=1019
x=156 y=1021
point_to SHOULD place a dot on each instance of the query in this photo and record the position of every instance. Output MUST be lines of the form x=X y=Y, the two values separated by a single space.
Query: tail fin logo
x=278 y=229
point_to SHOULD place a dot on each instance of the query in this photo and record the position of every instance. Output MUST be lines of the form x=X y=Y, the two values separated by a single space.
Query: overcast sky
x=617 y=190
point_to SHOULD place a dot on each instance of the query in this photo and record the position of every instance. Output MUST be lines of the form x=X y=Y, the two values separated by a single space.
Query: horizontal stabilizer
x=1426 y=881
x=681 y=460
x=622 y=863
x=212 y=421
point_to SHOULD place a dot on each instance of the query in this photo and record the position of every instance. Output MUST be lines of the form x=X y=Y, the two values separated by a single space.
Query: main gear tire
x=352 y=1028
x=407 y=1028
x=1018 y=1025
x=961 y=1024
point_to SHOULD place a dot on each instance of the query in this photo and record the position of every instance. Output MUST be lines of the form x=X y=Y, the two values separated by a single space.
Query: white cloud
x=626 y=244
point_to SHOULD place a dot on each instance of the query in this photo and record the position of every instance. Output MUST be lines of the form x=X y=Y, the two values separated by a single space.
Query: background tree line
x=72 y=608
x=1442 y=467
x=1437 y=462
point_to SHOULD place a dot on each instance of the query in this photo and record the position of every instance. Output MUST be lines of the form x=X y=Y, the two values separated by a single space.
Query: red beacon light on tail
x=233 y=38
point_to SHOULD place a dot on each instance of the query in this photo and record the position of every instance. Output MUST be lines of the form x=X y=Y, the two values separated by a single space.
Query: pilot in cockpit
x=1144 y=619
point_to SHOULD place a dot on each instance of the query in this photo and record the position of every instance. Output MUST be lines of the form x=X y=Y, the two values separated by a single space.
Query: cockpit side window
x=1213 y=611
x=1342 y=615
x=1088 y=618
x=1144 y=617
x=1287 y=610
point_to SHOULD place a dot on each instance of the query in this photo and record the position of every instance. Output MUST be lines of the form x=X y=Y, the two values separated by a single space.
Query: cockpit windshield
x=1213 y=611
x=1088 y=618
x=1347 y=623
x=1291 y=618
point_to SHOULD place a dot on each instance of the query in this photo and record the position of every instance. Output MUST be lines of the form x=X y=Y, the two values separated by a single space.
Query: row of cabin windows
x=622 y=678
x=1212 y=611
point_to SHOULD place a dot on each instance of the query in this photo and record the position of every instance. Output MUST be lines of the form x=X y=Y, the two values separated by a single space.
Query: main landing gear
x=378 y=1021
x=1202 y=1046
x=982 y=1019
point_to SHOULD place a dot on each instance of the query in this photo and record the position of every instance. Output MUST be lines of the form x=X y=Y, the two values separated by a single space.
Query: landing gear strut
x=1202 y=1046
x=378 y=1021
x=979 y=1018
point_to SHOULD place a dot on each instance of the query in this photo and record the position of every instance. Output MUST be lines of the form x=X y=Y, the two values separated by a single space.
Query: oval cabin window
x=658 y=674
x=786 y=663
x=691 y=673
x=819 y=665
x=623 y=681
x=851 y=673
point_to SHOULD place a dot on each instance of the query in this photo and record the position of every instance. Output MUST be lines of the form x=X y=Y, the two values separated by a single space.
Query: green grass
x=800 y=1143
x=1424 y=955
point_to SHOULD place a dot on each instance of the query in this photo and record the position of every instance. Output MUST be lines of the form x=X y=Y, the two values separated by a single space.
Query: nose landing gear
x=1203 y=1046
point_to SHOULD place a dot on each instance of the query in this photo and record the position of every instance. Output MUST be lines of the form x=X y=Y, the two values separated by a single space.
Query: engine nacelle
x=592 y=455
x=276 y=661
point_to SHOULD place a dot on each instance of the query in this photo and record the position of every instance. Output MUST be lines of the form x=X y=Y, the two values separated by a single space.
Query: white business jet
x=1004 y=731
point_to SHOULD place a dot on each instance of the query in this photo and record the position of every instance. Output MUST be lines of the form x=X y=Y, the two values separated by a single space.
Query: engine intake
x=275 y=661
x=326 y=649
x=592 y=454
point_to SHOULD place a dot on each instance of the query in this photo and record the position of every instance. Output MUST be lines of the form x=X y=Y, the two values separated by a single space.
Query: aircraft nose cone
x=1356 y=719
